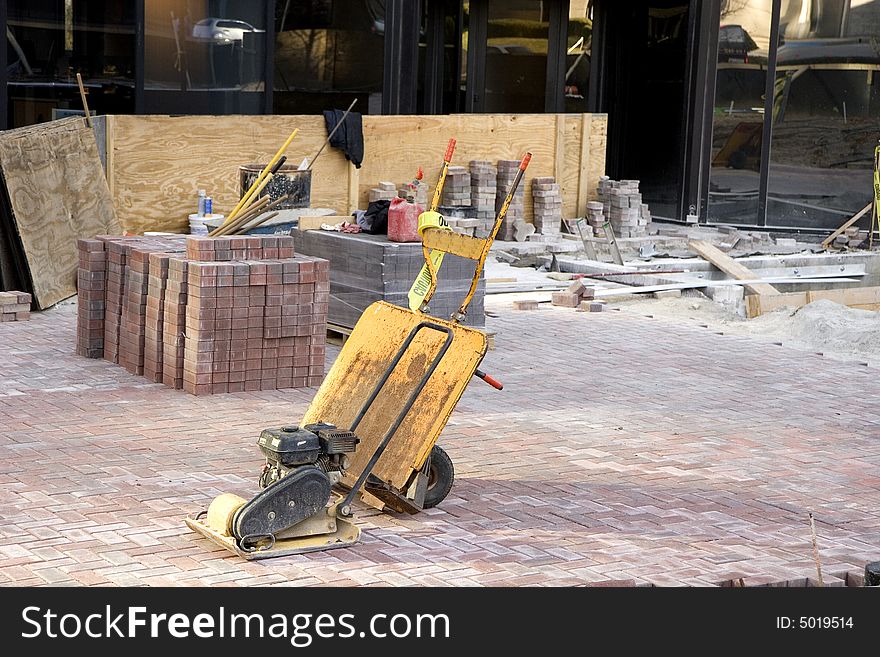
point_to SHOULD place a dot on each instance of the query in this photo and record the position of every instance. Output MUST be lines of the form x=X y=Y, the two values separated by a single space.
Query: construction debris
x=527 y=304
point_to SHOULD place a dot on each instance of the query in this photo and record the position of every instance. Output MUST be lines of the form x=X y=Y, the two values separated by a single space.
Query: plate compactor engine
x=302 y=465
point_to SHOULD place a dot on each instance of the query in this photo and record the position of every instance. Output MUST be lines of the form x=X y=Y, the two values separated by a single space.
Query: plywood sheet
x=396 y=146
x=57 y=193
x=160 y=162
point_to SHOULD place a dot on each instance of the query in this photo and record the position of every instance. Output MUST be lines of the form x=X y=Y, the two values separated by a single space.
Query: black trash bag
x=375 y=219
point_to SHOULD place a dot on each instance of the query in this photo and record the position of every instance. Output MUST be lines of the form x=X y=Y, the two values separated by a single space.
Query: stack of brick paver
x=91 y=289
x=622 y=204
x=547 y=202
x=457 y=188
x=506 y=173
x=596 y=217
x=484 y=182
x=15 y=306
x=384 y=191
x=210 y=315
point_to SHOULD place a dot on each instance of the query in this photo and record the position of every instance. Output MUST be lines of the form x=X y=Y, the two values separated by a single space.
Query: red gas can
x=403 y=220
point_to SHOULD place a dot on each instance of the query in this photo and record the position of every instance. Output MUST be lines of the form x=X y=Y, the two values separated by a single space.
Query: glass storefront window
x=826 y=112
x=579 y=46
x=328 y=52
x=738 y=118
x=50 y=41
x=516 y=56
x=205 y=45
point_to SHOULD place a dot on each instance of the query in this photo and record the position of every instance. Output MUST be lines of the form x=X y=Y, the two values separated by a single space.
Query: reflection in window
x=516 y=56
x=328 y=52
x=50 y=41
x=192 y=45
x=826 y=112
x=577 y=55
x=738 y=118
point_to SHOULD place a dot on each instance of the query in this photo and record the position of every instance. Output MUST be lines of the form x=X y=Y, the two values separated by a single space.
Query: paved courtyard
x=622 y=448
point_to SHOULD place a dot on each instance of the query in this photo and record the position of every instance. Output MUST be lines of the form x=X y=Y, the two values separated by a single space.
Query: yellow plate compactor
x=374 y=424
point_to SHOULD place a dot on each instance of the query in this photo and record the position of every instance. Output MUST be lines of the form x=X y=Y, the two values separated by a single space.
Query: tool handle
x=525 y=162
x=278 y=165
x=488 y=379
x=450 y=149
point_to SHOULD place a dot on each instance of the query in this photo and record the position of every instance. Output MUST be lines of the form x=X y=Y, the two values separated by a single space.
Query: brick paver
x=622 y=448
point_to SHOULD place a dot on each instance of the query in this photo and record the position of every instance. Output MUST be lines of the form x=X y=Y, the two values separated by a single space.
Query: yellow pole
x=263 y=174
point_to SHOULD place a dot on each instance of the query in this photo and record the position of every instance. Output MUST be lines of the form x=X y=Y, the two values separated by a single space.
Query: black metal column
x=478 y=27
x=433 y=103
x=139 y=28
x=769 y=100
x=400 y=79
x=557 y=46
x=269 y=66
x=4 y=89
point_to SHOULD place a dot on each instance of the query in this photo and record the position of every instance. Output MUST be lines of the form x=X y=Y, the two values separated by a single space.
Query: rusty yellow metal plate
x=367 y=353
x=461 y=245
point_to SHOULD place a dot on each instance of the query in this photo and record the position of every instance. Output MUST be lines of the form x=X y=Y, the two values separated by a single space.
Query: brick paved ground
x=621 y=448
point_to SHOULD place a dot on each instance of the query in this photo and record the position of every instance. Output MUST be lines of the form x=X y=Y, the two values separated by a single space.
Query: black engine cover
x=290 y=446
x=300 y=494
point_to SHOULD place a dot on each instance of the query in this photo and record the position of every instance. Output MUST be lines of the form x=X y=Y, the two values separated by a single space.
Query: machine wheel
x=441 y=474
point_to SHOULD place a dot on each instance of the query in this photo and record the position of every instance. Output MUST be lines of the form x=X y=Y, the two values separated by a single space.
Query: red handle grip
x=488 y=379
x=450 y=149
x=525 y=161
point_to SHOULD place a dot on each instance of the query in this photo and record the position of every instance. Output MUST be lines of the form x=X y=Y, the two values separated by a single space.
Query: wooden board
x=157 y=164
x=160 y=162
x=849 y=222
x=730 y=266
x=57 y=193
x=866 y=298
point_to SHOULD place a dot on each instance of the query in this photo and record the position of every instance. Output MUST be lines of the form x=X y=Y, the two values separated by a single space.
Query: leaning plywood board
x=57 y=193
x=866 y=298
x=730 y=266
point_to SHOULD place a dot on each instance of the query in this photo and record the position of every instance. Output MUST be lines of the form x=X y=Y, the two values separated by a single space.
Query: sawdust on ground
x=823 y=326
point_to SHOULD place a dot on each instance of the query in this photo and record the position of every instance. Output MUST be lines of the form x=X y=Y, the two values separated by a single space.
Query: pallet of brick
x=457 y=188
x=515 y=213
x=547 y=204
x=174 y=322
x=255 y=325
x=484 y=183
x=91 y=292
x=366 y=268
x=15 y=306
x=155 y=311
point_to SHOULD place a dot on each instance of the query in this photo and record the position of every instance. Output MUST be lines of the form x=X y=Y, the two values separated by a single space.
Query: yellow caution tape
x=422 y=284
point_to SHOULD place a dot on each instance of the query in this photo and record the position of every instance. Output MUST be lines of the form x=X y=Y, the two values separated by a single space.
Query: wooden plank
x=729 y=266
x=157 y=164
x=867 y=298
x=58 y=193
x=598 y=142
x=160 y=163
x=849 y=222
x=584 y=169
x=570 y=178
x=354 y=181
x=693 y=285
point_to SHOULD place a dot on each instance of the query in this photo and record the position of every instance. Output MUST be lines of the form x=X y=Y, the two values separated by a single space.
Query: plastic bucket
x=198 y=225
x=296 y=184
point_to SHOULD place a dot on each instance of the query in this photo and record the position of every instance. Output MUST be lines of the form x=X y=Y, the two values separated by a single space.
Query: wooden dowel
x=82 y=94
